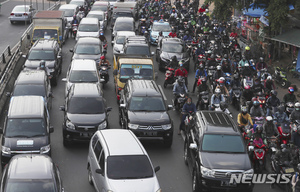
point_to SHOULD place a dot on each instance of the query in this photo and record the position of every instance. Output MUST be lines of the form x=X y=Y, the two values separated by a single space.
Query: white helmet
x=269 y=77
x=218 y=91
x=206 y=10
x=219 y=67
x=269 y=118
x=246 y=64
x=221 y=79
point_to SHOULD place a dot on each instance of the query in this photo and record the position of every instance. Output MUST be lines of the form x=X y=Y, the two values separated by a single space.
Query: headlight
x=165 y=127
x=45 y=149
x=6 y=150
x=70 y=125
x=102 y=125
x=133 y=126
x=248 y=174
x=207 y=172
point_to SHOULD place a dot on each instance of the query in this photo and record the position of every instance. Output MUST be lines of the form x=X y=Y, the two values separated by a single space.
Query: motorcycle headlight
x=166 y=127
x=102 y=125
x=45 y=149
x=207 y=172
x=133 y=126
x=6 y=150
x=249 y=174
x=70 y=125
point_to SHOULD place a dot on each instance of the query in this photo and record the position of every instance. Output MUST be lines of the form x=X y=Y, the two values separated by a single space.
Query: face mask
x=256 y=83
x=189 y=103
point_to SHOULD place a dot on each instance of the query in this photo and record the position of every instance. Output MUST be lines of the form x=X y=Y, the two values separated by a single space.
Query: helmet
x=206 y=10
x=174 y=58
x=221 y=80
x=74 y=17
x=297 y=106
x=102 y=57
x=291 y=90
x=173 y=7
x=201 y=66
x=218 y=91
x=247 y=87
x=180 y=81
x=261 y=59
x=236 y=76
x=247 y=48
x=273 y=92
x=281 y=109
x=186 y=32
x=209 y=52
x=269 y=77
x=258 y=128
x=256 y=103
x=219 y=67
x=244 y=109
x=225 y=56
x=101 y=33
x=180 y=63
x=269 y=118
x=246 y=64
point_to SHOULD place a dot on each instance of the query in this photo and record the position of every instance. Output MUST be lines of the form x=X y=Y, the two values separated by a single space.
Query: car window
x=147 y=104
x=136 y=70
x=129 y=167
x=25 y=127
x=97 y=150
x=88 y=28
x=138 y=50
x=68 y=12
x=99 y=8
x=101 y=161
x=83 y=76
x=88 y=49
x=172 y=48
x=45 y=185
x=45 y=34
x=124 y=26
x=94 y=140
x=21 y=9
x=120 y=40
x=163 y=28
x=223 y=143
x=86 y=105
x=98 y=16
x=22 y=90
x=40 y=54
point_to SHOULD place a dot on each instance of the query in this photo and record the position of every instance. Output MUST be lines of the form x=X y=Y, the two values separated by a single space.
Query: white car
x=100 y=15
x=120 y=39
x=70 y=10
x=88 y=27
x=21 y=13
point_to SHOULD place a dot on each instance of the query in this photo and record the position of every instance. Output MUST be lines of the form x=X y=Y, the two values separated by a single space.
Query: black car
x=144 y=112
x=50 y=52
x=117 y=14
x=214 y=150
x=122 y=24
x=169 y=47
x=31 y=172
x=85 y=112
x=137 y=48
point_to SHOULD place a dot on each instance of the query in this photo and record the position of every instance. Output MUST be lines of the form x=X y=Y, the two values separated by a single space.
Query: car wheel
x=195 y=186
x=66 y=142
x=168 y=142
x=11 y=22
x=160 y=66
x=54 y=81
x=185 y=153
x=90 y=177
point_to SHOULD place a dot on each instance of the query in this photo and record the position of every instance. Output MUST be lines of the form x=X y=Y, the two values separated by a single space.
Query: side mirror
x=24 y=56
x=62 y=108
x=71 y=50
x=51 y=129
x=112 y=42
x=108 y=109
x=152 y=53
x=99 y=171
x=64 y=79
x=50 y=94
x=170 y=107
x=8 y=94
x=158 y=48
x=251 y=148
x=123 y=105
x=193 y=146
x=122 y=52
x=102 y=80
x=115 y=72
x=157 y=169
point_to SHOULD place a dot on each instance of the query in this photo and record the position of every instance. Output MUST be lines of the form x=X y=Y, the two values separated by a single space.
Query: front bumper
x=79 y=134
x=153 y=134
x=22 y=18
x=223 y=184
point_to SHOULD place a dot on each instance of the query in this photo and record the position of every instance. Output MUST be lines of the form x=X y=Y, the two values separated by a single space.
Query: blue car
x=156 y=28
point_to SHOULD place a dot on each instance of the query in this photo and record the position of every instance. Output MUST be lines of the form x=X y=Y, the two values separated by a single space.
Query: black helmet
x=236 y=76
x=180 y=81
x=225 y=56
x=273 y=92
x=174 y=58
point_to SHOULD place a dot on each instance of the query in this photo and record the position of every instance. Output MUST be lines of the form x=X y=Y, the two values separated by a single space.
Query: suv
x=137 y=48
x=120 y=13
x=117 y=161
x=85 y=112
x=33 y=82
x=50 y=52
x=123 y=24
x=27 y=128
x=214 y=150
x=143 y=110
x=31 y=173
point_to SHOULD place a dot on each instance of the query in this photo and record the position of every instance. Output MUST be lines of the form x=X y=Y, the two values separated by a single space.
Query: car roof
x=143 y=88
x=30 y=166
x=89 y=40
x=26 y=106
x=89 y=21
x=124 y=19
x=96 y=13
x=83 y=65
x=31 y=77
x=22 y=6
x=121 y=142
x=97 y=3
x=125 y=33
x=78 y=0
x=86 y=90
x=172 y=40
x=68 y=6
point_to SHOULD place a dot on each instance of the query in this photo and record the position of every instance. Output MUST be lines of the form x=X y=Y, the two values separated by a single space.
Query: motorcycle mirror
x=250 y=148
x=170 y=107
x=193 y=146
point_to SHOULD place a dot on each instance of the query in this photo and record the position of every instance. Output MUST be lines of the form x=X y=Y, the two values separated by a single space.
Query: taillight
x=131 y=8
x=12 y=14
x=25 y=14
x=115 y=7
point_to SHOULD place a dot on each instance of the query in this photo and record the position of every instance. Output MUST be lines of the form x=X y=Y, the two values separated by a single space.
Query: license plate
x=150 y=134
x=18 y=15
x=290 y=170
x=85 y=135
x=226 y=183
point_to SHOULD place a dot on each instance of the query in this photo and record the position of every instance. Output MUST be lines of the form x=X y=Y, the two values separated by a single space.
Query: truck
x=131 y=67
x=122 y=5
x=49 y=25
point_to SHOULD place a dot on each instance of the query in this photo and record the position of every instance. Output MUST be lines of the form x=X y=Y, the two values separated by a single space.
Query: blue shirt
x=217 y=100
x=180 y=89
x=189 y=108
x=200 y=73
x=187 y=38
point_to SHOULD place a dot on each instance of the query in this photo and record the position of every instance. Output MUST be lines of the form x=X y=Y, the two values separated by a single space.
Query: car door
x=94 y=163
x=48 y=93
x=194 y=135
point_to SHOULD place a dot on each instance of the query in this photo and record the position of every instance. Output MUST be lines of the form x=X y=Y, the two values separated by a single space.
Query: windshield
x=45 y=185
x=21 y=90
x=120 y=40
x=99 y=8
x=122 y=14
x=83 y=76
x=20 y=9
x=138 y=50
x=129 y=167
x=77 y=2
x=41 y=55
x=147 y=104
x=172 y=48
x=122 y=26
x=223 y=143
x=25 y=127
x=85 y=105
x=88 y=28
x=88 y=49
x=98 y=16
x=68 y=12
x=136 y=71
x=44 y=34
x=163 y=28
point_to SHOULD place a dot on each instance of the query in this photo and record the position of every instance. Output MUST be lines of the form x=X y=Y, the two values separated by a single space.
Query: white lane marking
x=5 y=2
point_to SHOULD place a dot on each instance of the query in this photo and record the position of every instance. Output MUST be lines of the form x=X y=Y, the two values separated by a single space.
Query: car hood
x=25 y=144
x=84 y=56
x=227 y=161
x=86 y=119
x=135 y=185
x=167 y=55
x=149 y=118
x=87 y=34
x=36 y=63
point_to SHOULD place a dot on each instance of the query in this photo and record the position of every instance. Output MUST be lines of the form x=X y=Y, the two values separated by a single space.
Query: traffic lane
x=11 y=33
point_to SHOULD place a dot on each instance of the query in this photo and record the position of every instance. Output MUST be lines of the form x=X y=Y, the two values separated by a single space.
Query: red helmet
x=200 y=56
x=102 y=57
x=247 y=87
x=253 y=99
x=291 y=90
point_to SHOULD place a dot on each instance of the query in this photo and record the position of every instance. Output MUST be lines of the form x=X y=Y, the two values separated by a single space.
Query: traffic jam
x=177 y=74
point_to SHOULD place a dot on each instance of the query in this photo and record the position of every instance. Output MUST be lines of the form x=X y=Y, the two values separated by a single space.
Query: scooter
x=289 y=108
x=284 y=130
x=203 y=100
x=74 y=30
x=169 y=76
x=188 y=120
x=236 y=96
x=104 y=72
x=180 y=102
x=280 y=77
x=248 y=81
x=259 y=153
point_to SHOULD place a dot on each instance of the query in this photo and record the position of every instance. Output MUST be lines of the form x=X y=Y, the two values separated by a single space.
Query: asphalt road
x=173 y=176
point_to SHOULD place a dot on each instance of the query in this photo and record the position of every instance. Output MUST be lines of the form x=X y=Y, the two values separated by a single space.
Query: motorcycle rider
x=75 y=22
x=233 y=34
x=248 y=53
x=269 y=84
x=290 y=97
x=181 y=71
x=258 y=87
x=200 y=72
x=172 y=33
x=242 y=62
x=280 y=116
x=235 y=83
x=179 y=88
x=216 y=98
x=272 y=102
x=222 y=87
x=295 y=180
x=259 y=132
x=188 y=107
x=295 y=139
x=226 y=68
x=260 y=65
x=218 y=73
x=103 y=60
x=44 y=68
x=174 y=62
x=247 y=71
x=102 y=38
x=199 y=50
x=244 y=119
x=295 y=115
x=270 y=130
x=187 y=37
x=256 y=110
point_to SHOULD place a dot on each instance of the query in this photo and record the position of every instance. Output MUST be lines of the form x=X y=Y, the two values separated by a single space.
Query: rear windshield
x=45 y=185
x=88 y=49
x=99 y=8
x=25 y=127
x=98 y=16
x=44 y=34
x=83 y=76
x=41 y=55
x=21 y=90
x=20 y=9
x=88 y=28
x=223 y=143
x=124 y=26
x=68 y=12
x=120 y=40
x=138 y=50
x=86 y=105
x=163 y=28
x=136 y=71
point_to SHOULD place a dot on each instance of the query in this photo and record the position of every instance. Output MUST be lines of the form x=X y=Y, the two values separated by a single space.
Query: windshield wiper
x=26 y=136
x=38 y=135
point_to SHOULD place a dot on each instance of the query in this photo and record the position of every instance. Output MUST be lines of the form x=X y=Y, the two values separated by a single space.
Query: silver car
x=100 y=15
x=117 y=161
x=21 y=13
x=120 y=40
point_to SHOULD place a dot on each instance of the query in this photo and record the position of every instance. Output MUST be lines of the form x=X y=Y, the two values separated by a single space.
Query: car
x=48 y=51
x=143 y=110
x=87 y=48
x=158 y=26
x=123 y=24
x=214 y=150
x=27 y=128
x=88 y=27
x=85 y=112
x=111 y=3
x=79 y=3
x=118 y=44
x=33 y=82
x=102 y=6
x=81 y=71
x=117 y=161
x=21 y=13
x=31 y=172
x=169 y=47
x=100 y=15
x=120 y=13
x=137 y=48
x=70 y=10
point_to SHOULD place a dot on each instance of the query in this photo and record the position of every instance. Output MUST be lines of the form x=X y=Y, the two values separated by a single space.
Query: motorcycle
x=264 y=74
x=280 y=77
x=227 y=80
x=248 y=81
x=285 y=167
x=236 y=96
x=262 y=100
x=289 y=108
x=80 y=15
x=169 y=76
x=188 y=121
x=259 y=153
x=211 y=71
x=104 y=48
x=74 y=30
x=180 y=102
x=203 y=100
x=259 y=121
x=104 y=72
x=200 y=60
x=284 y=130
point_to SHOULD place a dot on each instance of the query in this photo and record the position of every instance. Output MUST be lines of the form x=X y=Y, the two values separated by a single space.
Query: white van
x=88 y=27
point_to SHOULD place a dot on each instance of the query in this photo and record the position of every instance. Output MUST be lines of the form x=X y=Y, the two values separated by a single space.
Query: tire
x=195 y=185
x=66 y=143
x=11 y=22
x=90 y=177
x=160 y=66
x=185 y=153
x=168 y=142
x=165 y=84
